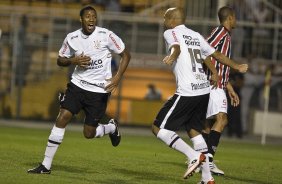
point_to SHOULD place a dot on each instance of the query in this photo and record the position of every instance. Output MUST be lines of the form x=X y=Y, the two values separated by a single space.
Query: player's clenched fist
x=243 y=68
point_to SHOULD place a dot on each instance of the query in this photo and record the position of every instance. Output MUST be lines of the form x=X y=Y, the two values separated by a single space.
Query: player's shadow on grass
x=242 y=180
x=144 y=176
x=71 y=169
x=178 y=164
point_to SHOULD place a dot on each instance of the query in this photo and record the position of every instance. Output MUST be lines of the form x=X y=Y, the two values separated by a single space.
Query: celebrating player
x=89 y=48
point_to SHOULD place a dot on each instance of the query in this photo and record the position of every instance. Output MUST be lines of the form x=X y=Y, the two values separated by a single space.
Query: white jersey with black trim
x=98 y=46
x=190 y=76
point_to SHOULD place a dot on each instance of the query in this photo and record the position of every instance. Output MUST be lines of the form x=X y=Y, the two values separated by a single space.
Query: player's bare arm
x=124 y=61
x=242 y=68
x=233 y=95
x=174 y=53
x=81 y=60
x=214 y=77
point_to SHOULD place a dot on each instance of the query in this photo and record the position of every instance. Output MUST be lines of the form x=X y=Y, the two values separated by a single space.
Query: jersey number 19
x=195 y=55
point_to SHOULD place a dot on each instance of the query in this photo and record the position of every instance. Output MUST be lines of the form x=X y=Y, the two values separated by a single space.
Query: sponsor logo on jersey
x=194 y=42
x=174 y=36
x=187 y=37
x=115 y=42
x=191 y=41
x=76 y=36
x=95 y=64
x=102 y=32
x=97 y=84
x=65 y=48
x=200 y=86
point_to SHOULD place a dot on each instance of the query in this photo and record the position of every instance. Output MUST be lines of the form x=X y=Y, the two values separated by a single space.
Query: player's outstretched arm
x=124 y=61
x=211 y=67
x=242 y=68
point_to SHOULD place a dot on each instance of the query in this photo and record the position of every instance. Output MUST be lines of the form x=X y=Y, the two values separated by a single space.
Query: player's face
x=233 y=21
x=88 y=21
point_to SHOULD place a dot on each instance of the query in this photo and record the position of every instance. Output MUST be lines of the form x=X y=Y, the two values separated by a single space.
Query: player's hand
x=214 y=80
x=243 y=68
x=112 y=84
x=167 y=60
x=234 y=98
x=82 y=60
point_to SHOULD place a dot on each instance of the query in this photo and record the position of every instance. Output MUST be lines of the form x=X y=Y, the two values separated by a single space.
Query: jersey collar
x=180 y=26
x=84 y=36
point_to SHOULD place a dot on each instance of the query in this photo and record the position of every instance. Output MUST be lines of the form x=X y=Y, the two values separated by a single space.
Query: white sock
x=175 y=142
x=102 y=130
x=206 y=172
x=55 y=139
x=199 y=144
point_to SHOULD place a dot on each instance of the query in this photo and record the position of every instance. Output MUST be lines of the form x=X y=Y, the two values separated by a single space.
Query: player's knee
x=89 y=134
x=155 y=130
x=222 y=119
x=63 y=118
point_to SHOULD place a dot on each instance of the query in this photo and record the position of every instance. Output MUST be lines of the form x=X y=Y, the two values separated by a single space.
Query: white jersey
x=190 y=76
x=98 y=46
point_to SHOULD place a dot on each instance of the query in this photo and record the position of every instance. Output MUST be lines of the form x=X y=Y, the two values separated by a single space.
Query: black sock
x=213 y=141
x=206 y=137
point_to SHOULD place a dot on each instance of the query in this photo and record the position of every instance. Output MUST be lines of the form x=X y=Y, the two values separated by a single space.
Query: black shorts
x=183 y=112
x=93 y=104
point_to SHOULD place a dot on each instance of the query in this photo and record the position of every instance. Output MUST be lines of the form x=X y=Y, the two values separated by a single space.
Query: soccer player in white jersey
x=187 y=108
x=89 y=48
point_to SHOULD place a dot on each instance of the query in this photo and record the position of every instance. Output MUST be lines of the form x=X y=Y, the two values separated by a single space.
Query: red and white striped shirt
x=220 y=39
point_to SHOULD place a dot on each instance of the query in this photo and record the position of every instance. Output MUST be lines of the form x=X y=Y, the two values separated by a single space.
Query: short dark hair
x=224 y=12
x=85 y=9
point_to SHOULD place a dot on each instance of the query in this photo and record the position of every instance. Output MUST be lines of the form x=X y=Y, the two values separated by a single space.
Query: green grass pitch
x=138 y=160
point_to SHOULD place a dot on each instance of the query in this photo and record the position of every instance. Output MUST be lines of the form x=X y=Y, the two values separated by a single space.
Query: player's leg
x=171 y=117
x=69 y=105
x=216 y=130
x=206 y=130
x=54 y=141
x=214 y=139
x=95 y=106
x=217 y=108
x=194 y=127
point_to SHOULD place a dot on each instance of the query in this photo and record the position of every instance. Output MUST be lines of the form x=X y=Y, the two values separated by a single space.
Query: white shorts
x=217 y=102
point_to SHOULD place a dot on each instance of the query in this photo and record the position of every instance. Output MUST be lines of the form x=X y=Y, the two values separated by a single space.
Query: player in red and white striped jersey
x=220 y=39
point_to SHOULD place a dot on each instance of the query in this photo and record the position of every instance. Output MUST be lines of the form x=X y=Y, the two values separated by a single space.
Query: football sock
x=199 y=144
x=102 y=130
x=206 y=172
x=213 y=141
x=55 y=139
x=206 y=137
x=175 y=142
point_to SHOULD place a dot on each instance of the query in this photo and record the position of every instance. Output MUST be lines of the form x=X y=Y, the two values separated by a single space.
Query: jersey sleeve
x=66 y=50
x=206 y=48
x=217 y=35
x=170 y=38
x=115 y=43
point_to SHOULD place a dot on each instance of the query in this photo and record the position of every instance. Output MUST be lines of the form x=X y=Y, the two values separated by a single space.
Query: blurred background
x=32 y=32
